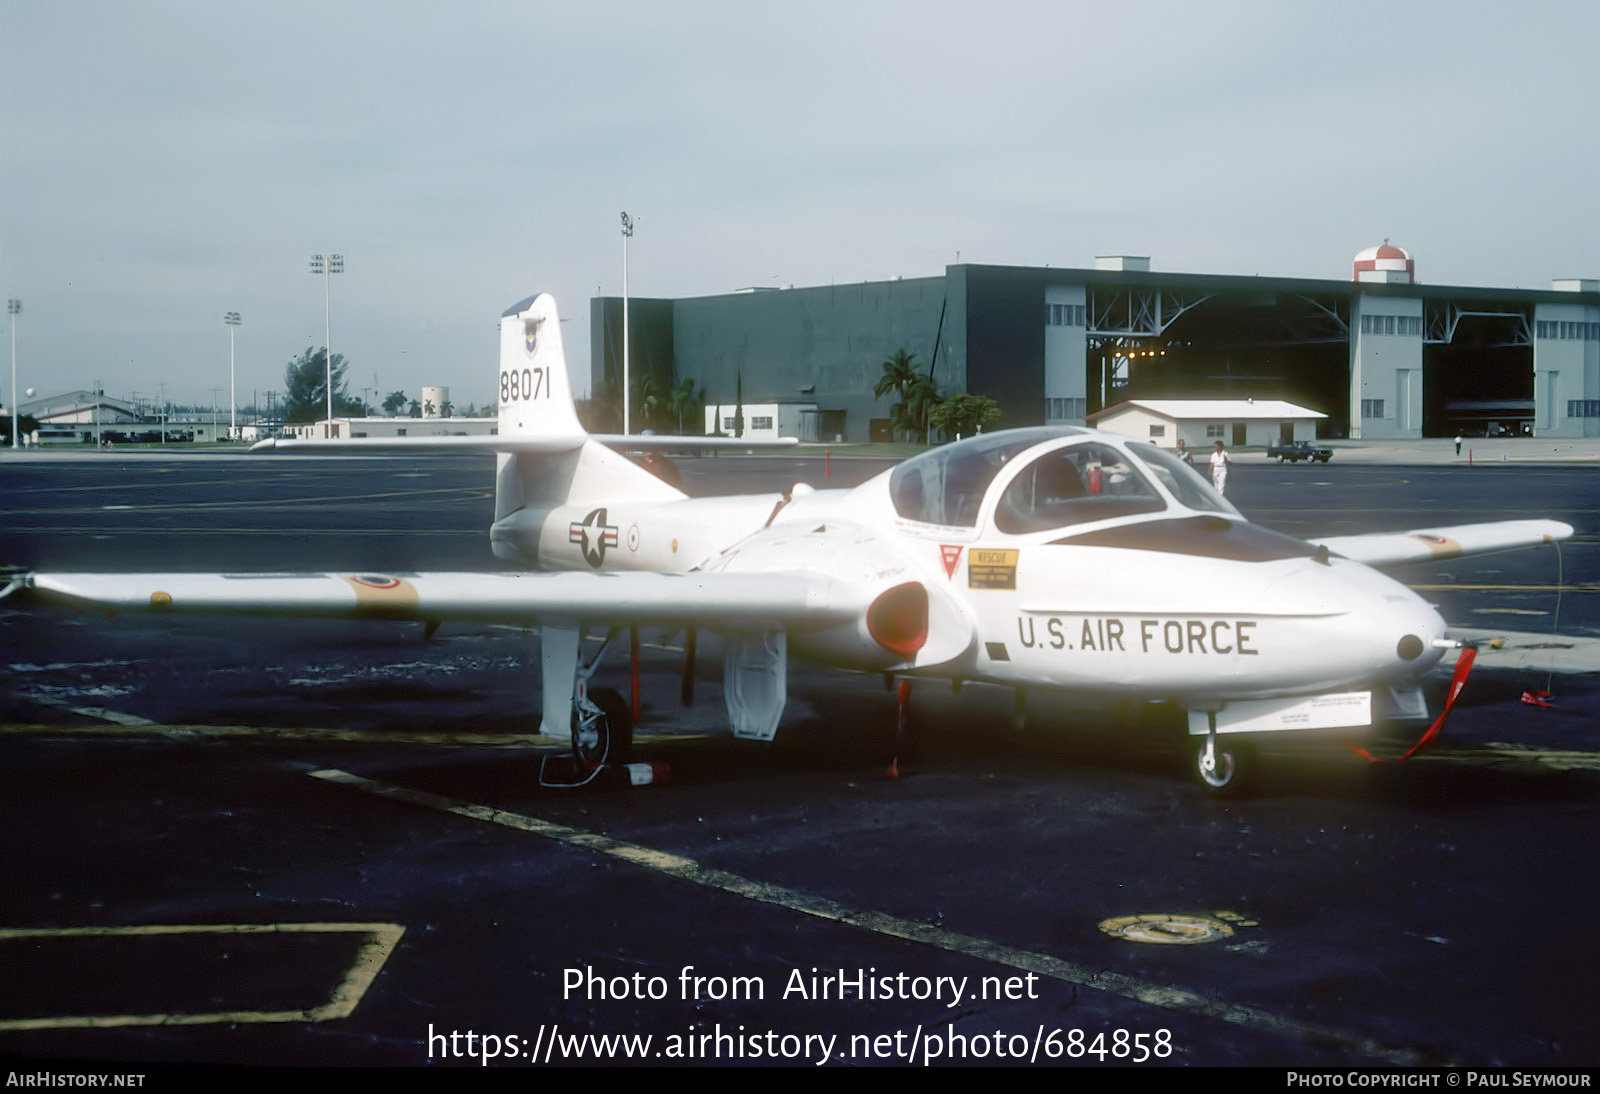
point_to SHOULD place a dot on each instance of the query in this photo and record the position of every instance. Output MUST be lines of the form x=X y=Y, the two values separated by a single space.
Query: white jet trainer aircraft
x=1037 y=558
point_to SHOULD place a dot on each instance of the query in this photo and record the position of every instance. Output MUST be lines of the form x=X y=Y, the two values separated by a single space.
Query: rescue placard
x=991 y=568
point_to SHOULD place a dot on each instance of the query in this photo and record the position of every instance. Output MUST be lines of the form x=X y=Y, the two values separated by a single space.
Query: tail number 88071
x=528 y=383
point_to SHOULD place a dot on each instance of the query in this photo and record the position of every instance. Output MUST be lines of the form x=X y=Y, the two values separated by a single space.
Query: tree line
x=918 y=411
x=305 y=382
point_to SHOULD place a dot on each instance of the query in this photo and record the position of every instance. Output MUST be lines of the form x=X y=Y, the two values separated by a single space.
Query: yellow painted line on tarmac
x=379 y=943
x=1498 y=750
x=687 y=869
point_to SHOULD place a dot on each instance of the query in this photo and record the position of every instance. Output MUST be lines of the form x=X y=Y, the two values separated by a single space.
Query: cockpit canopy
x=1079 y=482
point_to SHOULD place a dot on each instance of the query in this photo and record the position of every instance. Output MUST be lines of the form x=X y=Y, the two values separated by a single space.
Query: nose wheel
x=1222 y=766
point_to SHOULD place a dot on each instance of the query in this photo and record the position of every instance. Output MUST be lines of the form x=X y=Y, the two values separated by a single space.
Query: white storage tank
x=434 y=400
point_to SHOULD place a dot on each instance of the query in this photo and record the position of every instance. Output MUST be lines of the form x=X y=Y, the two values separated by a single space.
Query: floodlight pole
x=627 y=234
x=13 y=308
x=232 y=319
x=327 y=268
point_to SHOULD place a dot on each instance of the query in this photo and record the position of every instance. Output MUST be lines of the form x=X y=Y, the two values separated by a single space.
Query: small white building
x=763 y=421
x=1237 y=423
x=394 y=427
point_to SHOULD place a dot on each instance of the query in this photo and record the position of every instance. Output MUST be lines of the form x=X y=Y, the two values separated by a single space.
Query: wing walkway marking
x=380 y=941
x=687 y=869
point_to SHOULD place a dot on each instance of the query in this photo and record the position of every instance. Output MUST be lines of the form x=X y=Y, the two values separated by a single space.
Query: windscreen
x=1076 y=485
x=1182 y=480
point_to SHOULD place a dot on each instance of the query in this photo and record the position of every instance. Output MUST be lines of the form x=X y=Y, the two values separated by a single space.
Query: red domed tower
x=1386 y=262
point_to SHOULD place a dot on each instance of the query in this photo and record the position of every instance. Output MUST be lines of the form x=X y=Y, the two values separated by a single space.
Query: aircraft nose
x=1420 y=630
x=1364 y=625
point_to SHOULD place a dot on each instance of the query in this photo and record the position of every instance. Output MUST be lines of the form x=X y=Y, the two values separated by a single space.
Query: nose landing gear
x=1222 y=763
x=1222 y=766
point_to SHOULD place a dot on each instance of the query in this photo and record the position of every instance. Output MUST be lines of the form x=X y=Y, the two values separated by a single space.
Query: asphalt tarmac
x=247 y=842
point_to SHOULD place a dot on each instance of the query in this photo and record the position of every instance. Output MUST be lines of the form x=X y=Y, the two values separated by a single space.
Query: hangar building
x=1381 y=355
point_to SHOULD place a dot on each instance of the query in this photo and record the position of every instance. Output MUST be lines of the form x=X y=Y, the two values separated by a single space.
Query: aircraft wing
x=513 y=443
x=1438 y=544
x=724 y=601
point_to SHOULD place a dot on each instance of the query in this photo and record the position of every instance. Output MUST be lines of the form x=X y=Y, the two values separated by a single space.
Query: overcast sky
x=163 y=163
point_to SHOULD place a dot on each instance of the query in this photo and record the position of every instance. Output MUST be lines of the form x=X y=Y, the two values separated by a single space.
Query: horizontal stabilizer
x=1438 y=544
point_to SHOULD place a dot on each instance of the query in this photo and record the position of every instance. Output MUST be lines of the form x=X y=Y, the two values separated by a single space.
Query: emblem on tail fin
x=535 y=390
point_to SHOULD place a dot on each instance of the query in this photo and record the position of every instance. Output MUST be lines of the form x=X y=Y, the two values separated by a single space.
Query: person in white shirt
x=1219 y=468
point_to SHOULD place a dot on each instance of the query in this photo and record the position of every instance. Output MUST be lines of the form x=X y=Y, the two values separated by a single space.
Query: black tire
x=1235 y=763
x=1282 y=458
x=607 y=737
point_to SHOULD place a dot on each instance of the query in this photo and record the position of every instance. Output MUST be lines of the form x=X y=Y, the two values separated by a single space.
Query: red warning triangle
x=952 y=557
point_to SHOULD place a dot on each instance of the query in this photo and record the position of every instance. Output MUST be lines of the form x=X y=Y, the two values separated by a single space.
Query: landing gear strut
x=603 y=734
x=599 y=721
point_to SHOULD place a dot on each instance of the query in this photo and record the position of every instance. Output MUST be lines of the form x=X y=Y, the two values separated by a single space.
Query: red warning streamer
x=1457 y=681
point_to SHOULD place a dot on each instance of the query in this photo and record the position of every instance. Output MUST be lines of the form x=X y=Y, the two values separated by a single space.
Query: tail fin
x=535 y=390
x=536 y=402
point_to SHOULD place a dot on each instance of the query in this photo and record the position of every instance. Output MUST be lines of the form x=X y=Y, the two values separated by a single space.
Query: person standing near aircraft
x=1184 y=454
x=1219 y=468
x=661 y=467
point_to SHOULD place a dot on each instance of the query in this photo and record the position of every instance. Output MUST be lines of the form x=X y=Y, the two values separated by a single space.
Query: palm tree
x=900 y=377
x=651 y=402
x=898 y=372
x=681 y=398
x=912 y=412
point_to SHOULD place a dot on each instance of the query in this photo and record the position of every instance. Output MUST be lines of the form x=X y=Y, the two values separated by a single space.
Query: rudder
x=535 y=390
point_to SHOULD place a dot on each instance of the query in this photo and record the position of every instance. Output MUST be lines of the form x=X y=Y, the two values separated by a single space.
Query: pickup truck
x=1300 y=450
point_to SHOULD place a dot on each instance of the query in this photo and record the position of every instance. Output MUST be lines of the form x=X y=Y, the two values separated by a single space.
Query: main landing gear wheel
x=604 y=737
x=1225 y=770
